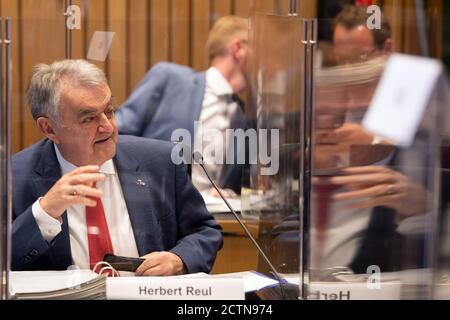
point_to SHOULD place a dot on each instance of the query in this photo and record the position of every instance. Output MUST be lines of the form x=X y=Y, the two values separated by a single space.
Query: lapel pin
x=140 y=183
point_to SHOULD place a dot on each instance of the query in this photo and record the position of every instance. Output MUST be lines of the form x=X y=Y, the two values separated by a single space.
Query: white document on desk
x=217 y=205
x=43 y=281
x=253 y=281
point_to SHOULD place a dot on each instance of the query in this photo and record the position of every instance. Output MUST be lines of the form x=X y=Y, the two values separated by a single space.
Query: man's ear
x=237 y=49
x=47 y=128
x=388 y=46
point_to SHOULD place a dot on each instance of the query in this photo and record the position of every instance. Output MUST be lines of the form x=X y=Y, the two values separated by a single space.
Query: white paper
x=43 y=281
x=217 y=205
x=100 y=45
x=402 y=97
x=252 y=280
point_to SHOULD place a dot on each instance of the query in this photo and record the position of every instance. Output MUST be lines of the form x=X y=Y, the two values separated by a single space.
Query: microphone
x=197 y=156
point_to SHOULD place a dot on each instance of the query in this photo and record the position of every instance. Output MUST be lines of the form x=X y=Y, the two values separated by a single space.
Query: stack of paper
x=57 y=285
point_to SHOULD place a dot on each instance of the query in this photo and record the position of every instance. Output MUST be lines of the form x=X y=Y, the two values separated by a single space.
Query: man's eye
x=110 y=113
x=89 y=119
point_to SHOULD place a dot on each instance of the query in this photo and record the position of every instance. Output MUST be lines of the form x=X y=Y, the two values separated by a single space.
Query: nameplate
x=353 y=291
x=160 y=288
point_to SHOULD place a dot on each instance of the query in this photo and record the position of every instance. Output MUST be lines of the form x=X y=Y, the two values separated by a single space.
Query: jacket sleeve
x=200 y=236
x=27 y=241
x=137 y=112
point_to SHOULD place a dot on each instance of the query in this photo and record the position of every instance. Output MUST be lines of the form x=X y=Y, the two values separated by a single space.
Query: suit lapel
x=47 y=172
x=187 y=115
x=135 y=185
x=199 y=93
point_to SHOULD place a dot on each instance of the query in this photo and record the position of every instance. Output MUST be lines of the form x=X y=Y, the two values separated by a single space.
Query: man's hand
x=73 y=188
x=161 y=263
x=373 y=186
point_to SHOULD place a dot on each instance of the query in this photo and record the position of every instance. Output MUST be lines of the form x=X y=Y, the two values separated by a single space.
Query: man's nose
x=105 y=124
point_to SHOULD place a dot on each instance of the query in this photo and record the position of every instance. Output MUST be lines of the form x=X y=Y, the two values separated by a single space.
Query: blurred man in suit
x=354 y=42
x=171 y=97
x=84 y=191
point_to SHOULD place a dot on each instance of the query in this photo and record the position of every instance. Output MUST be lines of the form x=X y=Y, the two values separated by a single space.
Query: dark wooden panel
x=78 y=35
x=201 y=25
x=117 y=59
x=42 y=41
x=221 y=8
x=159 y=30
x=238 y=253
x=435 y=13
x=241 y=8
x=180 y=26
x=95 y=21
x=11 y=9
x=138 y=54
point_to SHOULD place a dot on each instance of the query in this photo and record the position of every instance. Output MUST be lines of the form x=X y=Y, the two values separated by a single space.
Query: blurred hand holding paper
x=402 y=97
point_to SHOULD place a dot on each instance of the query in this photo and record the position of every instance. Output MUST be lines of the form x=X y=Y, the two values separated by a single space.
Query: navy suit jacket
x=170 y=97
x=166 y=212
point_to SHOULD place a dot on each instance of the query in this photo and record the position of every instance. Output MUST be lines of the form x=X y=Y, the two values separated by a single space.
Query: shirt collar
x=66 y=166
x=217 y=82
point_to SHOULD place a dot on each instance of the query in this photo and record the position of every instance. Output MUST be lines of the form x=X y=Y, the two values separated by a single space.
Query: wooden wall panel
x=159 y=31
x=221 y=8
x=435 y=13
x=138 y=39
x=201 y=24
x=241 y=8
x=181 y=32
x=42 y=23
x=308 y=9
x=146 y=32
x=394 y=14
x=95 y=21
x=78 y=35
x=117 y=59
x=411 y=43
x=11 y=9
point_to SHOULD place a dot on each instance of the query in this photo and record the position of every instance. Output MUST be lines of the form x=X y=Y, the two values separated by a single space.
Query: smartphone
x=123 y=263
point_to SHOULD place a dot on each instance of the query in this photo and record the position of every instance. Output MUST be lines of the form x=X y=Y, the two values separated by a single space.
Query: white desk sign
x=160 y=288
x=353 y=291
x=402 y=97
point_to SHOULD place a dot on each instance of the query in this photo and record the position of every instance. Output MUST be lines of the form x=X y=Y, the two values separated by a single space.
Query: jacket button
x=34 y=253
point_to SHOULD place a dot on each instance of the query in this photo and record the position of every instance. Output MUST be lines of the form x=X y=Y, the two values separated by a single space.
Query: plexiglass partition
x=371 y=215
x=271 y=195
x=375 y=207
x=340 y=211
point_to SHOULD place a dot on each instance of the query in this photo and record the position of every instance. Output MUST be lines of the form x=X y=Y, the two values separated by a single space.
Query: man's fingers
x=366 y=169
x=84 y=169
x=374 y=191
x=149 y=263
x=157 y=270
x=86 y=178
x=88 y=202
x=83 y=190
x=361 y=178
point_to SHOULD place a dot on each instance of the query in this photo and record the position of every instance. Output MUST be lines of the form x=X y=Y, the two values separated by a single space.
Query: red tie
x=323 y=192
x=99 y=240
x=365 y=3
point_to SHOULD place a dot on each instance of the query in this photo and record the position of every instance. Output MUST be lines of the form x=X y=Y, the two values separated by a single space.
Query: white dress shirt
x=217 y=111
x=119 y=224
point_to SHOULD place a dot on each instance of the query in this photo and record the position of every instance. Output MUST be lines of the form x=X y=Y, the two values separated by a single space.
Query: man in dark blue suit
x=84 y=191
x=172 y=97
